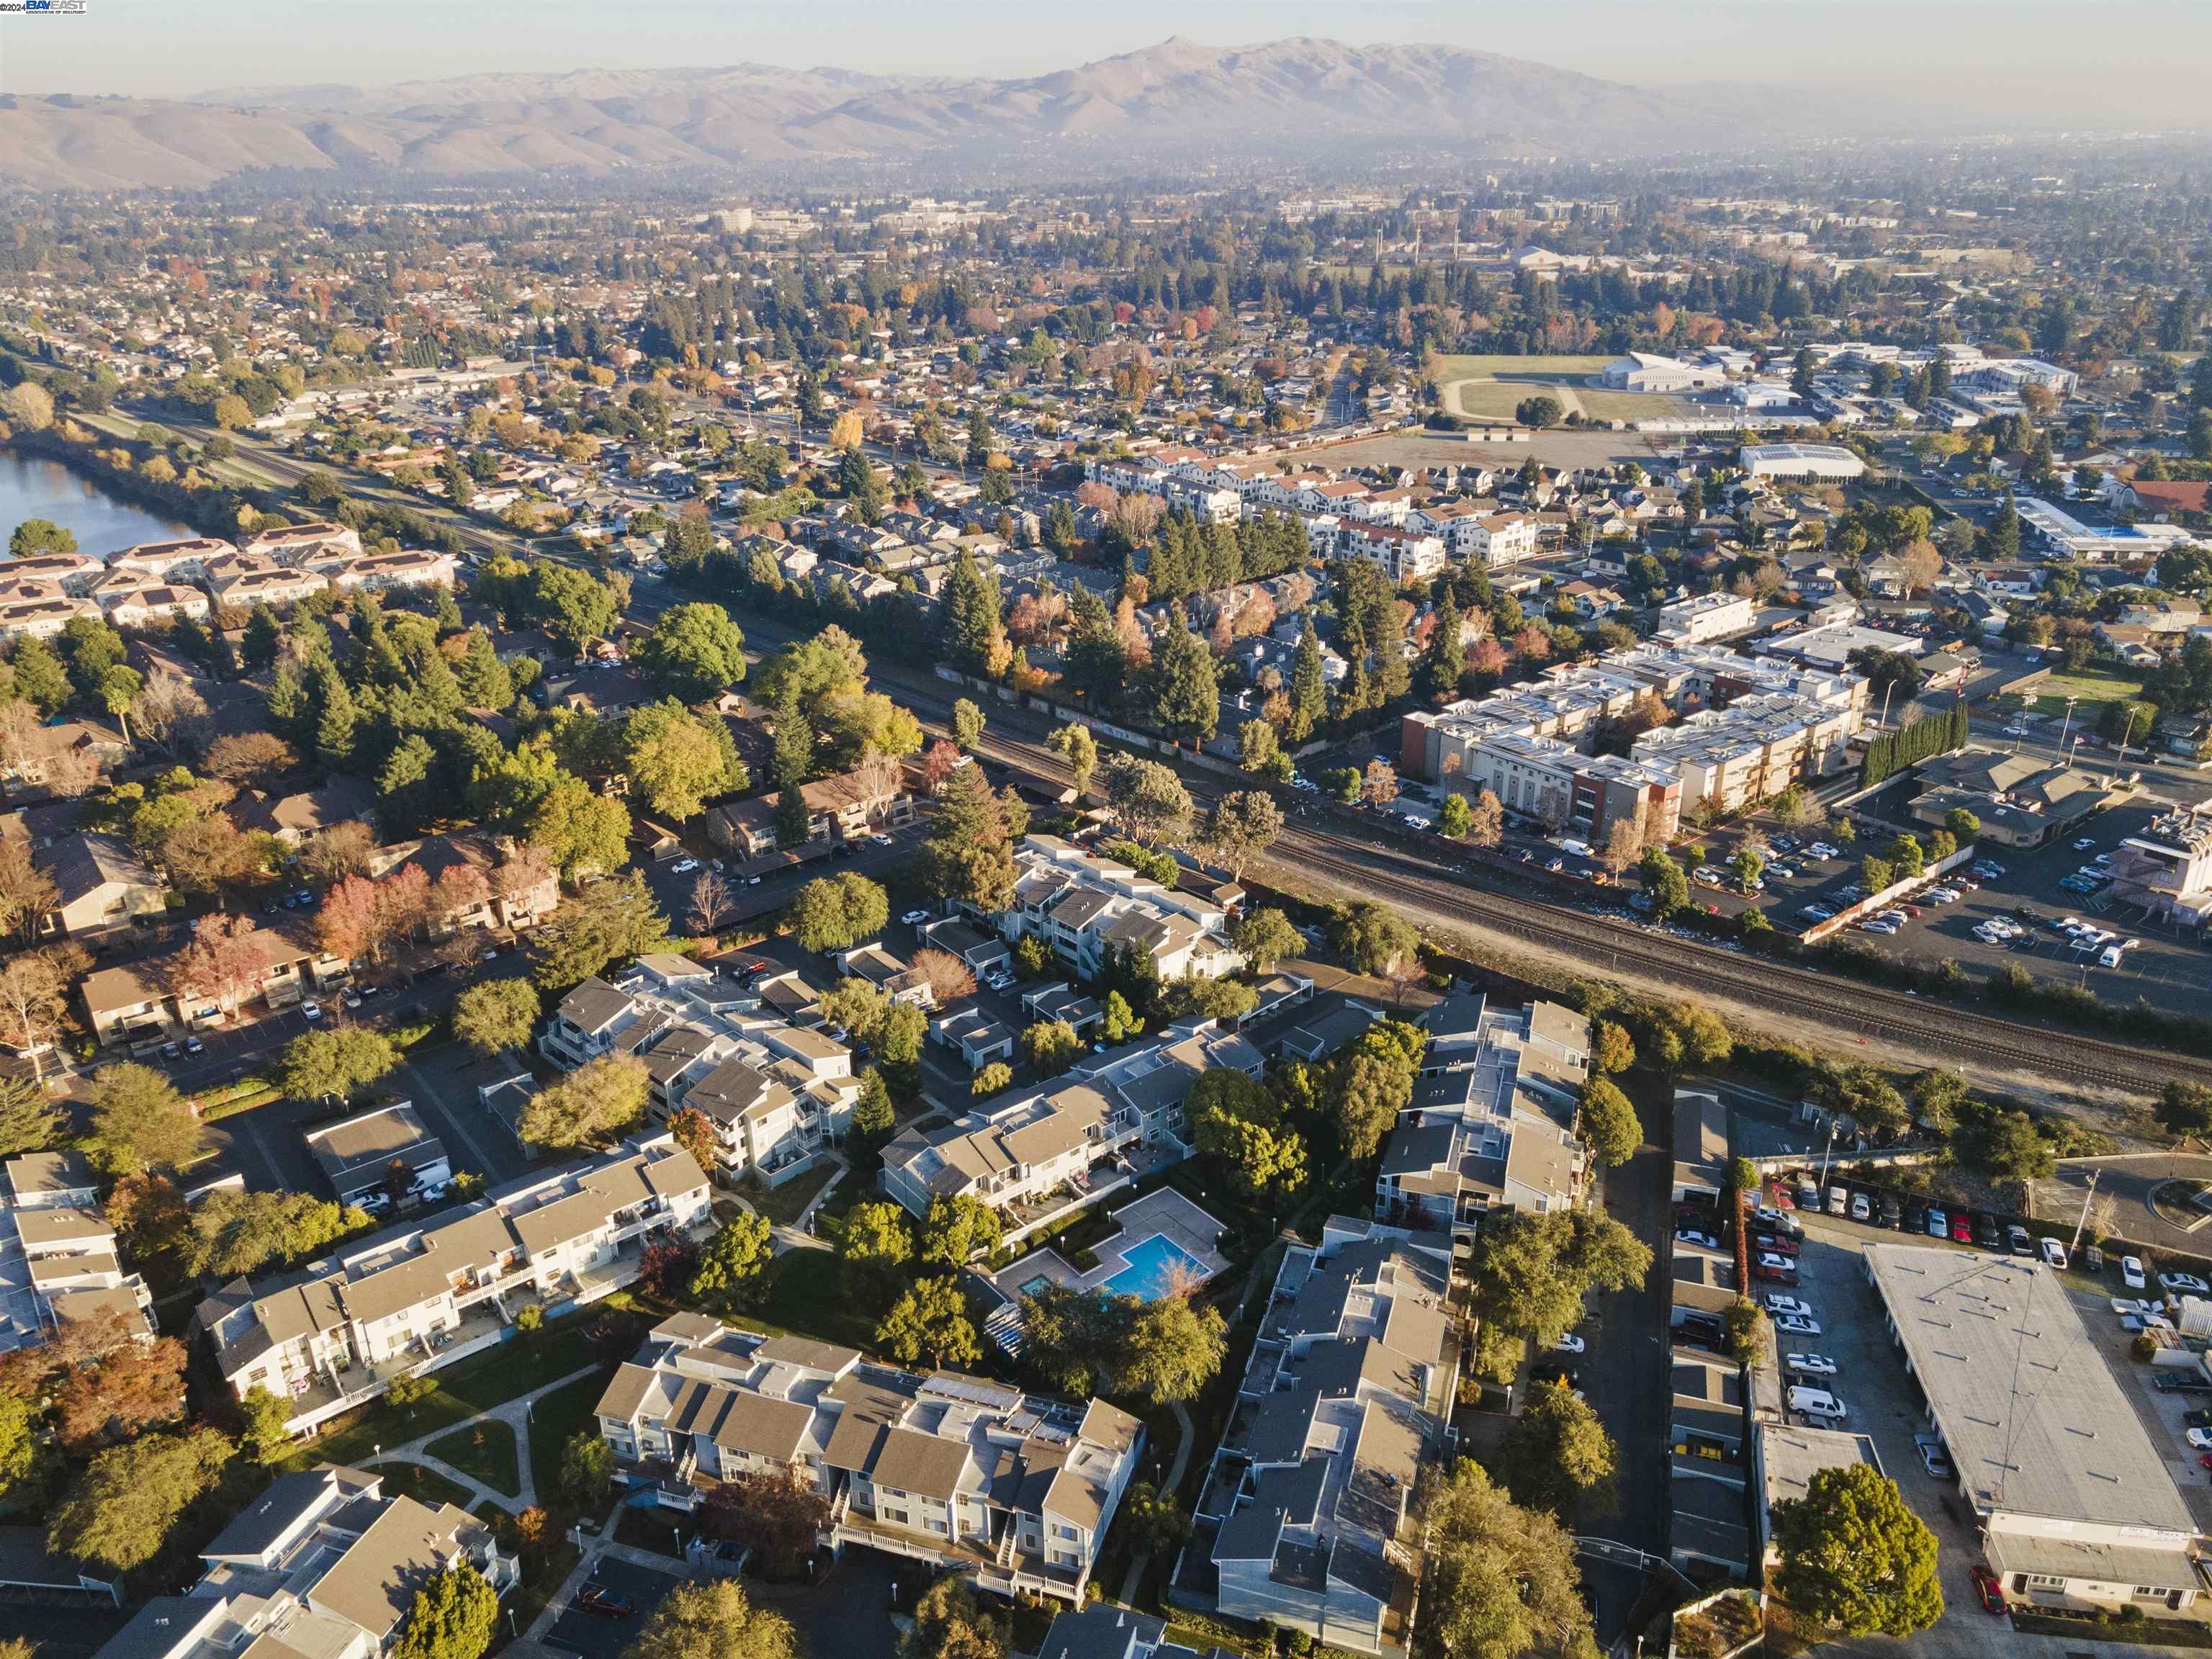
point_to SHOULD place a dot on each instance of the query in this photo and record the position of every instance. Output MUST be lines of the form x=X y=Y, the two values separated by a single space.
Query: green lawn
x=782 y=1204
x=807 y=1295
x=465 y=1390
x=553 y=1420
x=423 y=1485
x=2092 y=687
x=485 y=1451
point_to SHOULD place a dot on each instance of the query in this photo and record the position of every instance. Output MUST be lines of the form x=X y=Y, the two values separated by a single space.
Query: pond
x=31 y=486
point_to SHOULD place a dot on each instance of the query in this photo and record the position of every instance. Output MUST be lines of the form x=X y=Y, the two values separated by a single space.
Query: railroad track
x=1440 y=894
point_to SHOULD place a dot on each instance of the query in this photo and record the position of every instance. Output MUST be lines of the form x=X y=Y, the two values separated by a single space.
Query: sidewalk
x=516 y=1413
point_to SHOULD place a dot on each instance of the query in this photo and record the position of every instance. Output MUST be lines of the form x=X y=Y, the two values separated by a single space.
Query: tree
x=949 y=1623
x=123 y=1510
x=730 y=1267
x=1074 y=745
x=1540 y=411
x=713 y=1619
x=34 y=987
x=330 y=855
x=990 y=1079
x=1556 y=1456
x=1267 y=937
x=1689 y=1034
x=30 y=1120
x=587 y=1471
x=1963 y=825
x=1117 y=1022
x=931 y=1322
x=609 y=922
x=1664 y=883
x=1612 y=1050
x=1175 y=1346
x=776 y=1514
x=875 y=1242
x=1500 y=1580
x=835 y=913
x=1374 y=938
x=970 y=855
x=949 y=978
x=2185 y=1109
x=236 y=1231
x=1050 y=1047
x=1154 y=1517
x=1608 y=1124
x=139 y=1121
x=591 y=1105
x=1533 y=1271
x=1149 y=799
x=1855 y=1557
x=1244 y=824
x=125 y=1391
x=1747 y=1336
x=497 y=1015
x=29 y=405
x=455 y=1615
x=1183 y=686
x=967 y=723
x=575 y=606
x=695 y=650
x=677 y=761
x=874 y=1118
x=1486 y=821
x=959 y=1229
x=1454 y=817
x=342 y=1059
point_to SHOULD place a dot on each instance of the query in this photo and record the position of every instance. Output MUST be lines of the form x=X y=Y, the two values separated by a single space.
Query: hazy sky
x=2143 y=60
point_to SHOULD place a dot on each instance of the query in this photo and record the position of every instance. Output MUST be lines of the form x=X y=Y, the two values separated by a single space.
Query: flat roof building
x=1828 y=461
x=2078 y=1507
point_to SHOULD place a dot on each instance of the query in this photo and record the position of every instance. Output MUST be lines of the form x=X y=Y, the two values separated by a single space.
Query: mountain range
x=1179 y=106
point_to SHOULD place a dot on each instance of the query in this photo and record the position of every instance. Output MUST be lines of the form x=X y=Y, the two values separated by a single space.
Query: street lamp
x=2068 y=721
x=1828 y=1151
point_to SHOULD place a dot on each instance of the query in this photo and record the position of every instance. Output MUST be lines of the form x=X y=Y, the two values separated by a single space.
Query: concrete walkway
x=794 y=1236
x=601 y=1549
x=516 y=1413
x=1135 y=1577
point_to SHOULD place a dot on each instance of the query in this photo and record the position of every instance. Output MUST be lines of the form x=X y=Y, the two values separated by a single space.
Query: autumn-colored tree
x=347 y=926
x=222 y=960
x=948 y=977
x=130 y=1389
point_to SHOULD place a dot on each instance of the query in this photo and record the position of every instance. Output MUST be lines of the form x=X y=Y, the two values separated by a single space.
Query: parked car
x=606 y=1603
x=2131 y=1272
x=2197 y=1417
x=1779 y=1305
x=1571 y=1344
x=1939 y=1225
x=1862 y=1207
x=1797 y=1325
x=914 y=918
x=1962 y=1231
x=2200 y=1439
x=1776 y=1244
x=1775 y=1269
x=2054 y=1253
x=1809 y=1364
x=1703 y=1241
x=2184 y=1285
x=683 y=867
x=1986 y=1232
x=1987 y=1590
x=1933 y=1456
x=311 y=1010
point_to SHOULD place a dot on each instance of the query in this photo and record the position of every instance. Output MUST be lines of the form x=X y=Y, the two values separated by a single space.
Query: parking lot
x=600 y=1636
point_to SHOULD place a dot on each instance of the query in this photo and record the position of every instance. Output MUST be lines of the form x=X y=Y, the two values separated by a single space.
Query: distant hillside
x=1178 y=104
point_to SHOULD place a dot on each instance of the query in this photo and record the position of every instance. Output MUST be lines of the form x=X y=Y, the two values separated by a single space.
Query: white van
x=1818 y=1405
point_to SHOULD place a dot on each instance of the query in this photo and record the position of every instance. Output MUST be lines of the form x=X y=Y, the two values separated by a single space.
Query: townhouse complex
x=1745 y=728
x=1088 y=908
x=775 y=1092
x=58 y=1260
x=1491 y=1125
x=1013 y=1490
x=1306 y=1520
x=322 y=1563
x=1344 y=517
x=157 y=581
x=1091 y=1131
x=332 y=1335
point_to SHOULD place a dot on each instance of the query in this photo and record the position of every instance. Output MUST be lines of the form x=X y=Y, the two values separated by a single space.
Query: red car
x=1785 y=1199
x=1962 y=1230
x=1986 y=1587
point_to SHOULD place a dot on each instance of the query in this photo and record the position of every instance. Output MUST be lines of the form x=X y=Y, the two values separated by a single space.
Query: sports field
x=1488 y=388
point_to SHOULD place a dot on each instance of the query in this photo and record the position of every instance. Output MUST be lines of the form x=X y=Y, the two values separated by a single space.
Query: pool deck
x=1163 y=1214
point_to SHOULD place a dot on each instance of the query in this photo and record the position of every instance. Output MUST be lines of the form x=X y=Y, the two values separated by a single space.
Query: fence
x=1874 y=903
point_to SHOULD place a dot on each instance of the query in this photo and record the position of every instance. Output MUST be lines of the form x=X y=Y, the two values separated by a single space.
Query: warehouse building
x=2077 y=1507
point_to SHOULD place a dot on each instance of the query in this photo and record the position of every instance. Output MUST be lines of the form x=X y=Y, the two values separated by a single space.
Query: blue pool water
x=1153 y=1264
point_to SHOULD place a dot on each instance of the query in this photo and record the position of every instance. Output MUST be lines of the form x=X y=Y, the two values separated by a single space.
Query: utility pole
x=2084 y=1220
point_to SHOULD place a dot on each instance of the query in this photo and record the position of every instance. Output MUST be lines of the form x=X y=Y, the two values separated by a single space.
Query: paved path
x=516 y=1413
x=794 y=1236
x=1136 y=1576
x=600 y=1548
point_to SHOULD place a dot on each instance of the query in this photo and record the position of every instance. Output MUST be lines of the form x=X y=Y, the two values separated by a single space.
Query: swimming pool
x=1153 y=1265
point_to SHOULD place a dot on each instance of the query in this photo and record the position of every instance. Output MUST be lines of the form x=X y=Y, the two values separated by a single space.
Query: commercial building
x=322 y=1564
x=1645 y=371
x=2077 y=1506
x=1829 y=462
x=2167 y=869
x=1013 y=1491
x=2021 y=801
x=1306 y=1520
x=1087 y=908
x=2061 y=535
x=1704 y=616
x=1491 y=1124
x=777 y=1092
x=330 y=1336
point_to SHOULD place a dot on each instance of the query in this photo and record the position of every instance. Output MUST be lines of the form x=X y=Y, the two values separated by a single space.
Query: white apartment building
x=1750 y=750
x=776 y=1093
x=1704 y=616
x=171 y=562
x=1086 y=908
x=322 y=1563
x=332 y=1335
x=1307 y=1513
x=1406 y=555
x=1013 y=1491
x=58 y=1260
x=1041 y=1153
x=1491 y=1124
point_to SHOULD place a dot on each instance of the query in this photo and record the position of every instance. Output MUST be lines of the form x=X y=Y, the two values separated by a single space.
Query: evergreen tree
x=1185 y=694
x=1309 y=687
x=2000 y=537
x=1446 y=657
x=977 y=630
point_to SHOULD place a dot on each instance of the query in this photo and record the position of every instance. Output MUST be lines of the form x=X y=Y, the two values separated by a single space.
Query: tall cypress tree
x=1309 y=688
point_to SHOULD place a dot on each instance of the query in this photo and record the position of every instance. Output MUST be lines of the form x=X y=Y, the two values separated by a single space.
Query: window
x=936 y=1525
x=2045 y=1581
